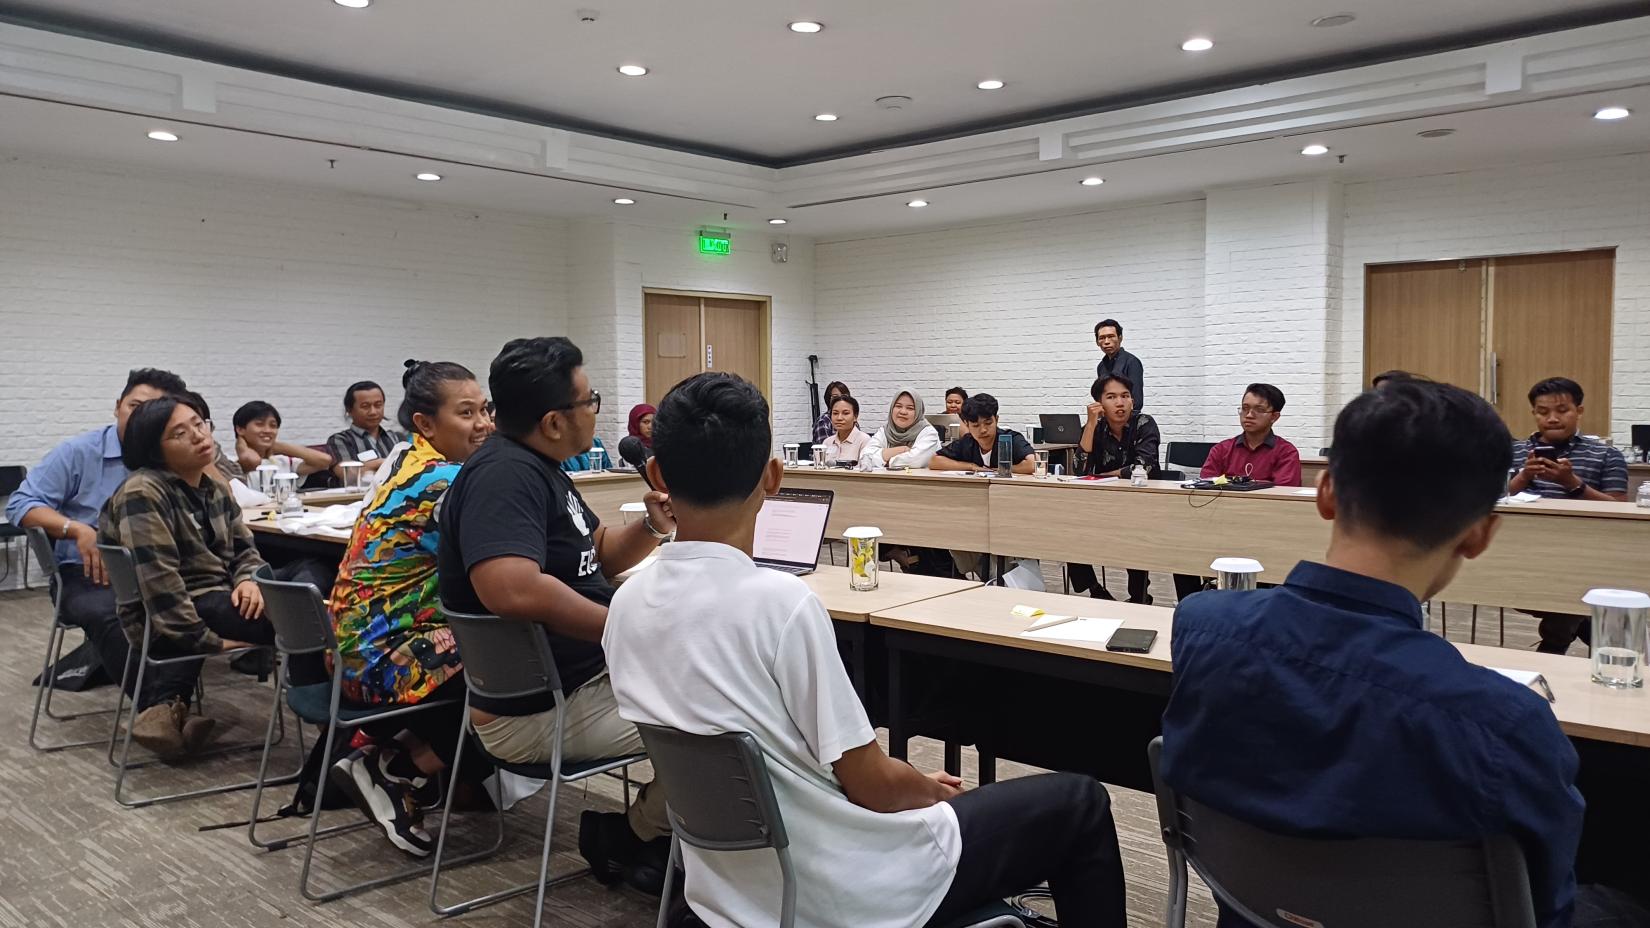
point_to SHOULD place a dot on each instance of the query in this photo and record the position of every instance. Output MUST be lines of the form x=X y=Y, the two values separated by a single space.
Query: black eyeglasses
x=594 y=402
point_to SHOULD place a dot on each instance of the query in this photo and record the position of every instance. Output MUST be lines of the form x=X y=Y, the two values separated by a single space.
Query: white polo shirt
x=707 y=642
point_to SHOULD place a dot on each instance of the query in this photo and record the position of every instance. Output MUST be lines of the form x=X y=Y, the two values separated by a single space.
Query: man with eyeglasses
x=1257 y=453
x=518 y=542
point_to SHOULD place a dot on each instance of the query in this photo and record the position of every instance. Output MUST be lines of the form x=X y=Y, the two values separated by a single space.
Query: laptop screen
x=791 y=526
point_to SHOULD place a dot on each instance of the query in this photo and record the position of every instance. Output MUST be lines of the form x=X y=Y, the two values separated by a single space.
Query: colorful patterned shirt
x=386 y=611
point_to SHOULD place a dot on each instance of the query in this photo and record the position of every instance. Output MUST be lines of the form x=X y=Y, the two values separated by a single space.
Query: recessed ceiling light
x=777 y=222
x=1092 y=181
x=1196 y=45
x=623 y=201
x=632 y=70
x=427 y=175
x=990 y=85
x=1435 y=133
x=1315 y=149
x=917 y=204
x=354 y=4
x=807 y=28
x=1613 y=112
x=161 y=135
x=826 y=117
x=1338 y=19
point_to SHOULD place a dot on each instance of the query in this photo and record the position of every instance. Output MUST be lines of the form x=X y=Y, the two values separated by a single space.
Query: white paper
x=1089 y=630
x=1521 y=677
x=1525 y=497
x=245 y=496
x=1307 y=491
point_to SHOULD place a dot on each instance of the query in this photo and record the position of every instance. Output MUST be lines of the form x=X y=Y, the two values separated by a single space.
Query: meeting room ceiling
x=730 y=78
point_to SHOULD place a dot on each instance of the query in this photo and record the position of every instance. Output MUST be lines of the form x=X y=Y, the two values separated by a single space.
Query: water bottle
x=1138 y=478
x=1005 y=453
x=1644 y=495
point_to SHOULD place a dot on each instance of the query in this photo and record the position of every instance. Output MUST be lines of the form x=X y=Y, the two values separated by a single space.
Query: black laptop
x=790 y=528
x=1061 y=428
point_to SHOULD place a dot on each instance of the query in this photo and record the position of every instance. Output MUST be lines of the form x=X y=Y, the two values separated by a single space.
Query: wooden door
x=1426 y=318
x=733 y=338
x=674 y=341
x=1551 y=318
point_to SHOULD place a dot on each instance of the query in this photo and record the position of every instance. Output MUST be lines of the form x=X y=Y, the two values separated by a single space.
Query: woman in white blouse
x=907 y=440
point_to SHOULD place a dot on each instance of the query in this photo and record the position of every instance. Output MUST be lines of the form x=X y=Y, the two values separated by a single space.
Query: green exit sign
x=714 y=243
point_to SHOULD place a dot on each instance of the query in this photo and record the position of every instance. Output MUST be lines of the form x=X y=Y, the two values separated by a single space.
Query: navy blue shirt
x=1323 y=708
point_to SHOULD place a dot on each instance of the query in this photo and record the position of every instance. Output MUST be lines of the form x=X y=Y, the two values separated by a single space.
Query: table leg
x=897 y=734
x=953 y=758
x=988 y=767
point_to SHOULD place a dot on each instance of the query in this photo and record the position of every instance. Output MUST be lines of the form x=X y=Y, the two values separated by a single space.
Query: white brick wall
x=248 y=291
x=1271 y=286
x=1009 y=309
x=1577 y=204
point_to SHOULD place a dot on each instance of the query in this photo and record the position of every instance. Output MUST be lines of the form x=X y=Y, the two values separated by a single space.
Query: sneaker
x=342 y=777
x=197 y=733
x=391 y=805
x=160 y=727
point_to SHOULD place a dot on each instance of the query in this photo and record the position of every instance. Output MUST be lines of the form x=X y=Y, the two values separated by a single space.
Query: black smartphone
x=1132 y=640
x=1545 y=451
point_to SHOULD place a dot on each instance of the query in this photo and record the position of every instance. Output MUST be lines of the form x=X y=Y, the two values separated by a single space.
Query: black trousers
x=1018 y=833
x=91 y=608
x=439 y=728
x=1086 y=578
x=217 y=610
x=1558 y=629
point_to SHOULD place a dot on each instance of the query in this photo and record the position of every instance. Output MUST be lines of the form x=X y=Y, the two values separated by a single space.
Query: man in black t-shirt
x=517 y=541
x=977 y=451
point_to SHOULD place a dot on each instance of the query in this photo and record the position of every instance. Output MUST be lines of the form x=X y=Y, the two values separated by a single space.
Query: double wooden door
x=688 y=333
x=1497 y=326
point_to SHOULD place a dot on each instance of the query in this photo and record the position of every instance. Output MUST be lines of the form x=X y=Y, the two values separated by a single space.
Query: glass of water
x=1621 y=621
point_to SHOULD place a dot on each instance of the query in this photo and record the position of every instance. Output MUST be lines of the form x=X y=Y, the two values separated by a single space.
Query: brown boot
x=160 y=727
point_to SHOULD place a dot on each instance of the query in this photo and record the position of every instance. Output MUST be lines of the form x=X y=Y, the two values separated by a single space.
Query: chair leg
x=446 y=822
x=1503 y=611
x=1175 y=916
x=43 y=698
x=1472 y=634
x=262 y=781
x=670 y=877
x=549 y=829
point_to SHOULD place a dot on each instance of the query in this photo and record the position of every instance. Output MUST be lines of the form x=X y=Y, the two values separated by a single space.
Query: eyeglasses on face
x=594 y=401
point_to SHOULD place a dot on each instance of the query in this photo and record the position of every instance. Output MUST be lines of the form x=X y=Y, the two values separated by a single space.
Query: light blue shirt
x=76 y=478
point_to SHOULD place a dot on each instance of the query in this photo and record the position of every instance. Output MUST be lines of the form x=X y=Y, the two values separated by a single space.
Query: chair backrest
x=1282 y=881
x=1189 y=454
x=720 y=796
x=45 y=554
x=122 y=571
x=504 y=658
x=299 y=615
x=11 y=477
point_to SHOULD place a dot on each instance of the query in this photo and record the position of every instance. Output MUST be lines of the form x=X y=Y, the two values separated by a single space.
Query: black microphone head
x=633 y=452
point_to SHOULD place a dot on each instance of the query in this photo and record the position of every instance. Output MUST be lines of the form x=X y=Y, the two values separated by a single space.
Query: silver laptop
x=790 y=528
x=1061 y=428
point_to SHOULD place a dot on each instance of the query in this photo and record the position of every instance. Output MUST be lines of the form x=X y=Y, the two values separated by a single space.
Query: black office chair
x=1280 y=881
x=721 y=799
x=1188 y=454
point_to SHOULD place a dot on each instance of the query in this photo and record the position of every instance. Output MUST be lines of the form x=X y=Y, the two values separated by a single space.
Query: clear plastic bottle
x=1644 y=495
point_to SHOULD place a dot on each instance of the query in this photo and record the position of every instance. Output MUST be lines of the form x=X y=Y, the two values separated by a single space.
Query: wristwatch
x=647 y=522
x=1579 y=489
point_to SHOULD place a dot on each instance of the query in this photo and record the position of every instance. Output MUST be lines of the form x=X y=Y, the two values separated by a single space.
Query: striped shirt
x=186 y=542
x=1598 y=465
x=349 y=444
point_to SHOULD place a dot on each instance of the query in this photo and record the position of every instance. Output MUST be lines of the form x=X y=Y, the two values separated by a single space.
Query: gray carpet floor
x=69 y=856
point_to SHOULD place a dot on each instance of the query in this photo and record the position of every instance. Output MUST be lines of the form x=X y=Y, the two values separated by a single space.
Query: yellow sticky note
x=1027 y=612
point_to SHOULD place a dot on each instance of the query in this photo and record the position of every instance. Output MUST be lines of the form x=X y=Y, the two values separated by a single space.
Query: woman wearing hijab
x=907 y=440
x=641 y=423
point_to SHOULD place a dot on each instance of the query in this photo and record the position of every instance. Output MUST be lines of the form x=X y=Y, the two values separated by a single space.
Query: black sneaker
x=342 y=777
x=391 y=805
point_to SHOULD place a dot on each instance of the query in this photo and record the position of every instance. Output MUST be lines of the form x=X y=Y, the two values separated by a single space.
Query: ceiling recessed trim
x=143 y=37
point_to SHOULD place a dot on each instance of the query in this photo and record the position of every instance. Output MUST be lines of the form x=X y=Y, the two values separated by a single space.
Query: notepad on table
x=1074 y=628
x=1528 y=678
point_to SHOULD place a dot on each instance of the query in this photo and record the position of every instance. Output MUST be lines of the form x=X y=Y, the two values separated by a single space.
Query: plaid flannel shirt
x=186 y=541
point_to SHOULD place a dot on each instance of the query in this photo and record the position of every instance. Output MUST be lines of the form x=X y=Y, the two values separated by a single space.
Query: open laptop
x=1061 y=428
x=790 y=529
x=943 y=421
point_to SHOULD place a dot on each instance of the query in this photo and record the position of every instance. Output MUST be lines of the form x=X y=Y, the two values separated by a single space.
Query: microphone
x=634 y=453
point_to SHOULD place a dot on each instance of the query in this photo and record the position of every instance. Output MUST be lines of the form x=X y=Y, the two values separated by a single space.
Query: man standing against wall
x=1108 y=334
